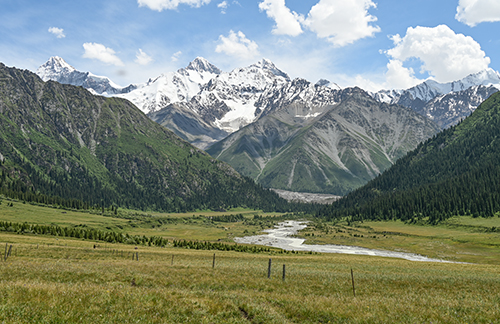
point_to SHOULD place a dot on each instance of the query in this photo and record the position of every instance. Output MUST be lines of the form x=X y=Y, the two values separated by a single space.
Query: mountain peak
x=268 y=65
x=54 y=65
x=201 y=64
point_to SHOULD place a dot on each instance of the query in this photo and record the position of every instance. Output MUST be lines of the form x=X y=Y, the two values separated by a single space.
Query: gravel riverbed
x=281 y=237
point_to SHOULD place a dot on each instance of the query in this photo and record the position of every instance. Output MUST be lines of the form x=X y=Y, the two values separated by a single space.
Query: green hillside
x=457 y=172
x=60 y=144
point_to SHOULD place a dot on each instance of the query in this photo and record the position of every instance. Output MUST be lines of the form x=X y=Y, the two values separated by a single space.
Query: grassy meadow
x=49 y=279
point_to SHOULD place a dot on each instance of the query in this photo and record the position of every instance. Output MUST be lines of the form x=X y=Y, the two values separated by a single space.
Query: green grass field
x=49 y=279
x=67 y=281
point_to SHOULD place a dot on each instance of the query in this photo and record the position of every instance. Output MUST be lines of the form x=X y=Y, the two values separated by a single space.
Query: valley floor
x=51 y=280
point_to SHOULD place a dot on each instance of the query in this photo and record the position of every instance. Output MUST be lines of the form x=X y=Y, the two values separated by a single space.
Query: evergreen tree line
x=82 y=233
x=476 y=193
x=114 y=237
x=457 y=172
x=218 y=246
x=228 y=218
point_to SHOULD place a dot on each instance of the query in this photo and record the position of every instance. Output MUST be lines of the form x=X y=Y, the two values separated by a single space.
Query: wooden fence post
x=269 y=269
x=8 y=254
x=352 y=278
x=137 y=256
x=213 y=262
x=284 y=272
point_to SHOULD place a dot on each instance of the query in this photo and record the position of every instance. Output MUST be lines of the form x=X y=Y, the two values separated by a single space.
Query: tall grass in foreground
x=68 y=281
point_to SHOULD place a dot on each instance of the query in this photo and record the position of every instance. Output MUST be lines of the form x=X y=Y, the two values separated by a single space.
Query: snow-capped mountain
x=224 y=99
x=430 y=89
x=448 y=109
x=172 y=87
x=56 y=69
x=183 y=121
x=228 y=100
x=223 y=102
x=445 y=103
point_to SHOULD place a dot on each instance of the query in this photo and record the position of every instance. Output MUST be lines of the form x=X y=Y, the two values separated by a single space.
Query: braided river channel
x=282 y=237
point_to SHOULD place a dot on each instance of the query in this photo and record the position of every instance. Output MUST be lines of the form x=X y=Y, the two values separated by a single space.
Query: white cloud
x=101 y=53
x=175 y=56
x=142 y=58
x=237 y=45
x=473 y=12
x=59 y=32
x=223 y=6
x=445 y=55
x=287 y=21
x=160 y=5
x=342 y=22
x=399 y=77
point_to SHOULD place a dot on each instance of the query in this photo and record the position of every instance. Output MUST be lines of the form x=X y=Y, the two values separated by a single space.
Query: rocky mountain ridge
x=227 y=101
x=56 y=69
x=445 y=103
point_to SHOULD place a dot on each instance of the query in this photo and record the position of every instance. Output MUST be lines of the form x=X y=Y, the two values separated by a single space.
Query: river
x=280 y=237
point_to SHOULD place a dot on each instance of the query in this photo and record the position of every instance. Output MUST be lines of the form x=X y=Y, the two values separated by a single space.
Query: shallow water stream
x=280 y=237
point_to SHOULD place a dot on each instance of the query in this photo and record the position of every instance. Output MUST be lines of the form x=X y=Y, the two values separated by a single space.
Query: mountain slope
x=60 y=140
x=179 y=118
x=315 y=139
x=455 y=172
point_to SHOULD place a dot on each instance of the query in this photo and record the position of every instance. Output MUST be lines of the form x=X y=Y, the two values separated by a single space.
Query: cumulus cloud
x=342 y=22
x=237 y=45
x=287 y=21
x=223 y=6
x=398 y=76
x=473 y=12
x=160 y=5
x=142 y=58
x=175 y=56
x=59 y=32
x=101 y=53
x=445 y=55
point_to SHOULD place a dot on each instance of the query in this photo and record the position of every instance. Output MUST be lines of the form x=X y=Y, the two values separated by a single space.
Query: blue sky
x=369 y=43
